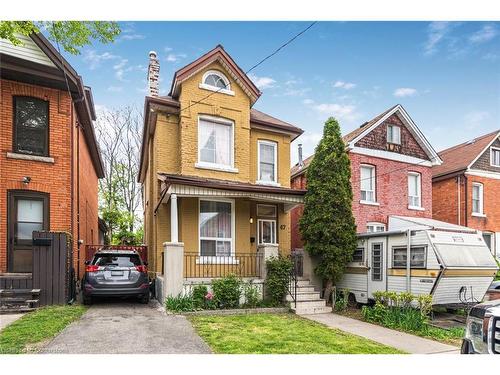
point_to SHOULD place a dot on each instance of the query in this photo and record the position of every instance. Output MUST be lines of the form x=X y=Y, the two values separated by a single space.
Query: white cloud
x=475 y=119
x=132 y=37
x=262 y=82
x=309 y=142
x=296 y=91
x=115 y=88
x=344 y=85
x=121 y=68
x=175 y=57
x=436 y=32
x=486 y=33
x=403 y=92
x=94 y=59
x=342 y=112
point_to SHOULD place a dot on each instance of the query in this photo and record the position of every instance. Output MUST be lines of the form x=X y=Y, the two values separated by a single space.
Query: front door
x=376 y=274
x=28 y=212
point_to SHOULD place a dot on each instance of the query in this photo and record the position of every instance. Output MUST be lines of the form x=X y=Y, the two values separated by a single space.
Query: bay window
x=216 y=228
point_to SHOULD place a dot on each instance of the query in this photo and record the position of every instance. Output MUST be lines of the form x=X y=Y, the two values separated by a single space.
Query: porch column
x=173 y=257
x=174 y=225
x=266 y=251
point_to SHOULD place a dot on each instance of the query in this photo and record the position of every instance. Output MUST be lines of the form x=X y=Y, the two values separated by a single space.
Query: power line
x=256 y=65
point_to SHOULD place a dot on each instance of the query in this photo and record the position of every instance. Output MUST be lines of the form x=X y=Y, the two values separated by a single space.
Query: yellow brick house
x=215 y=175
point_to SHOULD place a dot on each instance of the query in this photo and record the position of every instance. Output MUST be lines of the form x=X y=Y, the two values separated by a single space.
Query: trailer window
x=358 y=255
x=417 y=255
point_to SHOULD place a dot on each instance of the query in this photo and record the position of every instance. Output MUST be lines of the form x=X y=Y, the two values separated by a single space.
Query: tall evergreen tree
x=327 y=225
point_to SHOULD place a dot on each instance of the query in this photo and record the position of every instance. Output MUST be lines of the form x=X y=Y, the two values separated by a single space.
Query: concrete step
x=304 y=296
x=305 y=289
x=310 y=303
x=311 y=310
x=303 y=282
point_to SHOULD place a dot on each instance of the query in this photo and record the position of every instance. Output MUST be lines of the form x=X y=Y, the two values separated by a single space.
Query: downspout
x=408 y=261
x=458 y=198
x=78 y=196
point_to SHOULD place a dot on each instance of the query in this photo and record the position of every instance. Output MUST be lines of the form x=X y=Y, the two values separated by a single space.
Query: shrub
x=278 y=276
x=227 y=292
x=341 y=299
x=251 y=293
x=181 y=303
x=199 y=292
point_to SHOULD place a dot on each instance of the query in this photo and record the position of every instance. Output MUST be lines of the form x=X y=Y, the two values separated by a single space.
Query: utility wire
x=256 y=65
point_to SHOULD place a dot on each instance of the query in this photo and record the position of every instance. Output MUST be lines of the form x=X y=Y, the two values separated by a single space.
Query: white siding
x=418 y=285
x=28 y=51
x=353 y=281
x=448 y=288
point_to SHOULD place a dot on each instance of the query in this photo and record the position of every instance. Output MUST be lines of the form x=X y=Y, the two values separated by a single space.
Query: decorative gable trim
x=413 y=128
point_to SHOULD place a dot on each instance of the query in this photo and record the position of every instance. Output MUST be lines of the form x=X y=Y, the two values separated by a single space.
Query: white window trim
x=405 y=248
x=258 y=231
x=216 y=259
x=375 y=223
x=275 y=146
x=481 y=200
x=374 y=202
x=204 y=86
x=399 y=132
x=491 y=156
x=215 y=166
x=419 y=187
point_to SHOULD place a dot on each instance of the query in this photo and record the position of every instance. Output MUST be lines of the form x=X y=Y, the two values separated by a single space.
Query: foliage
x=279 y=334
x=252 y=296
x=277 y=279
x=24 y=334
x=227 y=291
x=327 y=225
x=72 y=35
x=341 y=299
x=202 y=298
x=181 y=303
x=497 y=277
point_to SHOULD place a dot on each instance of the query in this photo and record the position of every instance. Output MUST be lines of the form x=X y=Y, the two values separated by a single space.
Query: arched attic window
x=216 y=81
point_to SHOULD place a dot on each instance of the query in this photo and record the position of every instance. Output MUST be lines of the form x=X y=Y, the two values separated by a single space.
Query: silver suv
x=482 y=332
x=116 y=273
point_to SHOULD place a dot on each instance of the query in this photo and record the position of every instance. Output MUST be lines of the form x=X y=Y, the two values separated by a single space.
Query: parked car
x=116 y=273
x=482 y=330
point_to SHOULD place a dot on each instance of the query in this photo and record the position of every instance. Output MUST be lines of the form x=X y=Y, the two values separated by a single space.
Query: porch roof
x=206 y=187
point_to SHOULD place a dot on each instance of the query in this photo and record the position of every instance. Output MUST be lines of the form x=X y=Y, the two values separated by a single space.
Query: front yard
x=279 y=334
x=29 y=332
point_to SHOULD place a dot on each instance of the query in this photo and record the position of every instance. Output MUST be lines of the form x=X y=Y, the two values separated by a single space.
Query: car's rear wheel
x=145 y=298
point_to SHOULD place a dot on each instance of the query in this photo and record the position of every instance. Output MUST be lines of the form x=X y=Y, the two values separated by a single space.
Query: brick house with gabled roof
x=391 y=163
x=466 y=187
x=49 y=158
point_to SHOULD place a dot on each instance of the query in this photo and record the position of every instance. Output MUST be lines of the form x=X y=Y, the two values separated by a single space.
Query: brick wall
x=491 y=208
x=445 y=201
x=391 y=193
x=377 y=140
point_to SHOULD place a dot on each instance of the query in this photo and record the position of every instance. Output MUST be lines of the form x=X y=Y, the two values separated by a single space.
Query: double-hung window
x=31 y=126
x=477 y=198
x=268 y=165
x=215 y=143
x=216 y=228
x=417 y=257
x=495 y=157
x=414 y=190
x=367 y=183
x=394 y=134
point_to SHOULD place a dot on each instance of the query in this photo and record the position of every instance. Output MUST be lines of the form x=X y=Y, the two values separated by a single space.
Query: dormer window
x=393 y=134
x=214 y=80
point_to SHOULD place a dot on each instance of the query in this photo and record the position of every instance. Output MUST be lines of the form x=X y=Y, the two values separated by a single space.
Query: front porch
x=213 y=228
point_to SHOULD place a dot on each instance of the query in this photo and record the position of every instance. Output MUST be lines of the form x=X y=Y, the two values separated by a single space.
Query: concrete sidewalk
x=6 y=319
x=399 y=340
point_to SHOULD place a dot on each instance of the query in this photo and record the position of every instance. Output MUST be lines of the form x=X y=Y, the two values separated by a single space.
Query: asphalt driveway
x=127 y=327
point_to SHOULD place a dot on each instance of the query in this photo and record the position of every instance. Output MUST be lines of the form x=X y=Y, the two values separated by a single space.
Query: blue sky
x=446 y=75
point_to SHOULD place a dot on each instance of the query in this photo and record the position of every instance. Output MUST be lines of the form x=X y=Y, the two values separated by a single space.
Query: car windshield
x=116 y=260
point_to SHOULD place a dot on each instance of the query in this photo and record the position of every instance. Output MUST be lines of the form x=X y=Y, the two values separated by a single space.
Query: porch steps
x=308 y=300
x=18 y=300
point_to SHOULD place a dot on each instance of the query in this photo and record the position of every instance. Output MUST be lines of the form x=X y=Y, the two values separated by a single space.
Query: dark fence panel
x=53 y=270
x=241 y=265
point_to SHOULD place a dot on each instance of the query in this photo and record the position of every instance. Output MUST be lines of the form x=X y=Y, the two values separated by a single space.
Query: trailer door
x=376 y=264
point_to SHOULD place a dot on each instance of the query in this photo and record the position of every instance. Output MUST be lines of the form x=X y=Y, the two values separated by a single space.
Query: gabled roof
x=220 y=55
x=353 y=137
x=461 y=157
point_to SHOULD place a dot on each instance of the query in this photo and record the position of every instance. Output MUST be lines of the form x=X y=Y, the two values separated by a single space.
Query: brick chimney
x=153 y=74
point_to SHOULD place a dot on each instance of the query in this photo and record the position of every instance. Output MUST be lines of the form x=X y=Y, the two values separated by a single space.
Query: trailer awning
x=461 y=255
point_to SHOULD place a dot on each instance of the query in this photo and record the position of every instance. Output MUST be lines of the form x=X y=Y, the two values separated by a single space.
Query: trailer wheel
x=351 y=300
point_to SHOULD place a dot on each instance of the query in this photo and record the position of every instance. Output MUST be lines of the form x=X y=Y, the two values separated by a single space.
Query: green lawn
x=279 y=334
x=35 y=327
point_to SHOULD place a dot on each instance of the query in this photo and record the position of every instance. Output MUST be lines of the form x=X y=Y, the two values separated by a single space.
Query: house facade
x=466 y=187
x=391 y=172
x=215 y=172
x=49 y=158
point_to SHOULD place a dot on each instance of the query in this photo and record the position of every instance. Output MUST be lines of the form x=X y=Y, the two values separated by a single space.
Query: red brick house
x=391 y=172
x=466 y=187
x=49 y=157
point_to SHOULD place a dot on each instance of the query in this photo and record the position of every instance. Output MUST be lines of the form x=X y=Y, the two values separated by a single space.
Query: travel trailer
x=450 y=262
